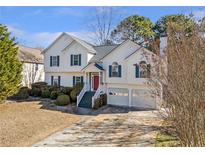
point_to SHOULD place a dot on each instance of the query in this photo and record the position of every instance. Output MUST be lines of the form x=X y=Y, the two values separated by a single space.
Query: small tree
x=10 y=67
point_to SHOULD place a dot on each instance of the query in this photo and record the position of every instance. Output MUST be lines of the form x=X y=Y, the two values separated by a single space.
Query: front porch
x=93 y=86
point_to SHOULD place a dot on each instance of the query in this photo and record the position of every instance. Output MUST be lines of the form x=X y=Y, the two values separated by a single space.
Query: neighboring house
x=33 y=69
x=121 y=71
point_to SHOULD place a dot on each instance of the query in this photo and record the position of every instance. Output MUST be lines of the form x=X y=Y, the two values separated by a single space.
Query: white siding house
x=33 y=68
x=121 y=71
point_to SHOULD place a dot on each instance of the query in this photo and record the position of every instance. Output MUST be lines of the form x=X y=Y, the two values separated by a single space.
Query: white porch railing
x=99 y=91
x=80 y=96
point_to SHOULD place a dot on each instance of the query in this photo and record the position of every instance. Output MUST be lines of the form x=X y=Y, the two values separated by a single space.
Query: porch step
x=86 y=101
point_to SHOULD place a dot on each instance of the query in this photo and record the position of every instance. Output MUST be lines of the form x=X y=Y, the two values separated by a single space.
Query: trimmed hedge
x=63 y=100
x=54 y=94
x=66 y=90
x=76 y=90
x=45 y=93
x=23 y=93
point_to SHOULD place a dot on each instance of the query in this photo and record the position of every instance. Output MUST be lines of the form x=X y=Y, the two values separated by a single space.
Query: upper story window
x=54 y=61
x=115 y=70
x=142 y=70
x=75 y=60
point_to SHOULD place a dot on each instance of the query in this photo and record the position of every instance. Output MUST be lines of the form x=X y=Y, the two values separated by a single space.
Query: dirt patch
x=23 y=124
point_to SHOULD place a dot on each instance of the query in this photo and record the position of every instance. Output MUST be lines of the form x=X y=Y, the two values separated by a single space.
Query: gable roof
x=80 y=41
x=83 y=43
x=143 y=48
x=102 y=51
x=30 y=55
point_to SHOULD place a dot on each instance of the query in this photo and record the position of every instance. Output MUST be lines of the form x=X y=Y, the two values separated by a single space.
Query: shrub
x=63 y=100
x=66 y=90
x=99 y=102
x=104 y=99
x=54 y=94
x=53 y=88
x=36 y=92
x=38 y=85
x=23 y=93
x=45 y=93
x=76 y=90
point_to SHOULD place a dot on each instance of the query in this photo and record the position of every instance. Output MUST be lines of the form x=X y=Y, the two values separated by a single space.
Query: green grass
x=164 y=139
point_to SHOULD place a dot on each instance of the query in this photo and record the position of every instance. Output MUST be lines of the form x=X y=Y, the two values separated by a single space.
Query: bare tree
x=101 y=25
x=184 y=83
x=31 y=74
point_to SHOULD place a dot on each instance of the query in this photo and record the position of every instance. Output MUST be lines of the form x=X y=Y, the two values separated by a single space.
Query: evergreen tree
x=136 y=28
x=10 y=67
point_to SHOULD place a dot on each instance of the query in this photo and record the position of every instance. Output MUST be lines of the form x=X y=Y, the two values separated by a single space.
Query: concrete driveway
x=108 y=128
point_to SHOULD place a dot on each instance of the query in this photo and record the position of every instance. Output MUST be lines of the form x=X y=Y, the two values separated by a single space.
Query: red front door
x=95 y=82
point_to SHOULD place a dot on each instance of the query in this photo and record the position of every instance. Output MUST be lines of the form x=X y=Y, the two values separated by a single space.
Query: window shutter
x=120 y=71
x=51 y=80
x=81 y=79
x=71 y=60
x=79 y=59
x=50 y=60
x=73 y=80
x=137 y=71
x=110 y=70
x=58 y=58
x=59 y=81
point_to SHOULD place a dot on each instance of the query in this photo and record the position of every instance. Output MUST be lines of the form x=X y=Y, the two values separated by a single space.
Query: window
x=142 y=70
x=76 y=60
x=115 y=70
x=55 y=81
x=77 y=79
x=54 y=61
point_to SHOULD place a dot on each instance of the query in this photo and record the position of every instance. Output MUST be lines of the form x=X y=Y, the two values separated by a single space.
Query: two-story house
x=121 y=71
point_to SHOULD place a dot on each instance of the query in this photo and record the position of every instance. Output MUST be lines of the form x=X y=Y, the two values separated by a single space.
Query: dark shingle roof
x=102 y=51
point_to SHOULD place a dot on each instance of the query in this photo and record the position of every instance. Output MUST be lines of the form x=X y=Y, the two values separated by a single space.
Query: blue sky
x=39 y=26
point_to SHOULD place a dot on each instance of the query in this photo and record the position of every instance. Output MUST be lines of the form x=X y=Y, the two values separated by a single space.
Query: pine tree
x=10 y=67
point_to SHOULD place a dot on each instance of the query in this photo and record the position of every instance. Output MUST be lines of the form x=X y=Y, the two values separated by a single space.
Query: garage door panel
x=118 y=96
x=143 y=98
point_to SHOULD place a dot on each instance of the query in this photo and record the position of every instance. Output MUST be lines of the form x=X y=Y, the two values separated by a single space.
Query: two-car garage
x=140 y=98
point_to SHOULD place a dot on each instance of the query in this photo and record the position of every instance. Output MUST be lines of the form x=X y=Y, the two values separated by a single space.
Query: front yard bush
x=63 y=100
x=99 y=102
x=45 y=93
x=23 y=93
x=54 y=94
x=66 y=90
x=36 y=92
x=76 y=90
x=38 y=85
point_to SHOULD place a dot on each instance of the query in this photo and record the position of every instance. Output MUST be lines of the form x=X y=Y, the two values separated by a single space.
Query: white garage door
x=143 y=98
x=118 y=96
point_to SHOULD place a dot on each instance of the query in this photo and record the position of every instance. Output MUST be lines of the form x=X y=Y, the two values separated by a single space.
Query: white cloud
x=199 y=14
x=43 y=39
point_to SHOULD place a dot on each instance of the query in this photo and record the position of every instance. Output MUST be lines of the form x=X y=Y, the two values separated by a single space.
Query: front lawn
x=23 y=124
